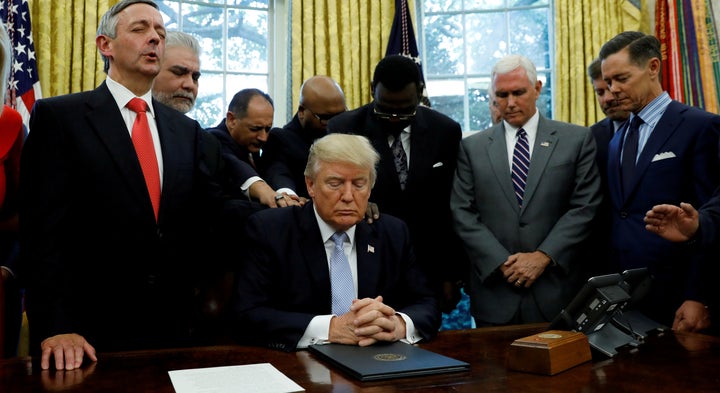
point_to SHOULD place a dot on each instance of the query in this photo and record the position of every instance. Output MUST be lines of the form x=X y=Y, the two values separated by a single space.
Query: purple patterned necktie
x=520 y=164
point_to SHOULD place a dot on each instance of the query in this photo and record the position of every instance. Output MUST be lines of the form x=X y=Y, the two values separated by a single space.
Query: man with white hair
x=177 y=83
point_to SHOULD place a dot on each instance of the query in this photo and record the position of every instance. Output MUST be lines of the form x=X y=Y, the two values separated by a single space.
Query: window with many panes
x=460 y=41
x=237 y=49
x=245 y=44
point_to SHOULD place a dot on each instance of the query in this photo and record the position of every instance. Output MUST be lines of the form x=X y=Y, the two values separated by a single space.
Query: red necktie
x=145 y=149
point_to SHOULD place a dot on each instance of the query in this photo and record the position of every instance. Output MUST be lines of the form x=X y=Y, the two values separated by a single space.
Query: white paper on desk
x=257 y=378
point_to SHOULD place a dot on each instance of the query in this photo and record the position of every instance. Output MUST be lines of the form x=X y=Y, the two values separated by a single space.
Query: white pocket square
x=437 y=165
x=663 y=156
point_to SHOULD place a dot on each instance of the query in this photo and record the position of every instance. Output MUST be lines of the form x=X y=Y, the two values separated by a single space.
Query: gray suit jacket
x=561 y=197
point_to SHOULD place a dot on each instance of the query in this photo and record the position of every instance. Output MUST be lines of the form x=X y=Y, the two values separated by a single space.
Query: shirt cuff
x=316 y=332
x=12 y=274
x=411 y=334
x=286 y=190
x=245 y=187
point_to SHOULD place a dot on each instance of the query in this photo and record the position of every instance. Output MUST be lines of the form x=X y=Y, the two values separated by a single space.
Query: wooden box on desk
x=549 y=352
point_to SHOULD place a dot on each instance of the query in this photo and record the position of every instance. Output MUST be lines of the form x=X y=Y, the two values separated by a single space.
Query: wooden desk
x=671 y=363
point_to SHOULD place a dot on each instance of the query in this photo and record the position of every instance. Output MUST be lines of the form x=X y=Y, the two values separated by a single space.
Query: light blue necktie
x=341 y=281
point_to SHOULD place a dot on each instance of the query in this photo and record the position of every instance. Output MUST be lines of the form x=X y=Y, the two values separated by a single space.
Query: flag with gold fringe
x=402 y=40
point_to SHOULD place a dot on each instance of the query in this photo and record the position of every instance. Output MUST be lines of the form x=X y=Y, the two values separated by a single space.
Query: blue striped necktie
x=520 y=164
x=341 y=281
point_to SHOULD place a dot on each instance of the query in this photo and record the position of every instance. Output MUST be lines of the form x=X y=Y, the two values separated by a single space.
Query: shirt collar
x=122 y=95
x=326 y=231
x=530 y=126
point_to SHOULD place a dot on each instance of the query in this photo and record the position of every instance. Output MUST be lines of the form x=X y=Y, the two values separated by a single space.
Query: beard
x=180 y=101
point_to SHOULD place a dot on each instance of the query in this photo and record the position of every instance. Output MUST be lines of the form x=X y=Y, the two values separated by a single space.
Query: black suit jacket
x=679 y=163
x=94 y=260
x=425 y=203
x=285 y=281
x=285 y=155
x=709 y=231
x=238 y=167
x=598 y=251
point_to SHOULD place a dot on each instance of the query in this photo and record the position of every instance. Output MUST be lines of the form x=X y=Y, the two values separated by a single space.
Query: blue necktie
x=520 y=164
x=341 y=280
x=629 y=155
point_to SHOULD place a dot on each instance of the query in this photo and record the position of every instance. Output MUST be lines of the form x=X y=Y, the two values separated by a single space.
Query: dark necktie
x=145 y=150
x=401 y=164
x=520 y=164
x=629 y=154
x=341 y=281
x=251 y=160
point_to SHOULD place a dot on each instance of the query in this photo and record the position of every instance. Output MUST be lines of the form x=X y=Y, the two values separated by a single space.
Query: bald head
x=320 y=99
x=321 y=90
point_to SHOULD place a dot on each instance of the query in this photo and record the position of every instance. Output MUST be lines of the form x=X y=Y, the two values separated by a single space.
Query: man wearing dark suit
x=287 y=289
x=603 y=132
x=698 y=228
x=524 y=247
x=430 y=141
x=676 y=160
x=286 y=150
x=604 y=129
x=105 y=268
x=683 y=223
x=242 y=134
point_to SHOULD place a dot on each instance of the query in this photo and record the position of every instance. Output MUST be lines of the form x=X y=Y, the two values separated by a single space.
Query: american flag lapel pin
x=371 y=249
x=545 y=144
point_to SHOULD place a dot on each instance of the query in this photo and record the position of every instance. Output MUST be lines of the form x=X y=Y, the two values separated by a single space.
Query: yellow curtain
x=581 y=28
x=64 y=35
x=342 y=39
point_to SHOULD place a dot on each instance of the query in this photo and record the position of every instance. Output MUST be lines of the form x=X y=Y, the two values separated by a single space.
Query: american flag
x=23 y=84
x=402 y=40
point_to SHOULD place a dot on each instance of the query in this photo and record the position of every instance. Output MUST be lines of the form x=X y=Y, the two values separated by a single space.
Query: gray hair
x=176 y=38
x=510 y=63
x=343 y=148
x=109 y=21
x=5 y=60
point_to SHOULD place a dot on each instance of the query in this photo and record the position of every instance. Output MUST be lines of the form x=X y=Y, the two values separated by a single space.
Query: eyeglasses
x=395 y=116
x=325 y=117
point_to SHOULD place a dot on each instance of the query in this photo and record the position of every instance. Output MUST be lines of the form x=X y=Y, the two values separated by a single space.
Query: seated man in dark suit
x=288 y=296
x=242 y=134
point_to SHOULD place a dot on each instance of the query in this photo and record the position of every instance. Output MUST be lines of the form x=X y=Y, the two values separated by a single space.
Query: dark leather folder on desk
x=385 y=361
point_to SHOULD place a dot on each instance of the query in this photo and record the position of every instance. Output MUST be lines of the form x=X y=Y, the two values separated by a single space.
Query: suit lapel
x=664 y=129
x=420 y=148
x=368 y=260
x=613 y=166
x=545 y=143
x=107 y=123
x=497 y=153
x=172 y=157
x=313 y=251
